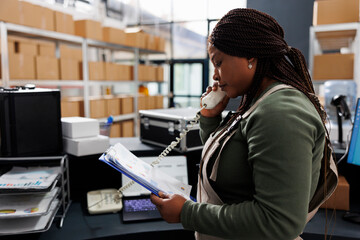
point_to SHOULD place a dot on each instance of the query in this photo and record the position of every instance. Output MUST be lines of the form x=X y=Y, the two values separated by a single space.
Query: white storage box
x=86 y=146
x=79 y=127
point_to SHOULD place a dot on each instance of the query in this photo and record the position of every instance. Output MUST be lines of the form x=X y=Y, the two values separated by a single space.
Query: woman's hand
x=169 y=206
x=218 y=108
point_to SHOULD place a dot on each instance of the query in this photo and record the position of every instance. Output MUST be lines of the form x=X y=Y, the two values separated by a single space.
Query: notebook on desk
x=136 y=199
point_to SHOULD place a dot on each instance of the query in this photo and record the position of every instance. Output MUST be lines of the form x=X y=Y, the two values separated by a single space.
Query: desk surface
x=79 y=224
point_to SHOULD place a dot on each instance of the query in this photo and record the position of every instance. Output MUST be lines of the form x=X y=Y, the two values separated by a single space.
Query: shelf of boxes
x=344 y=40
x=83 y=77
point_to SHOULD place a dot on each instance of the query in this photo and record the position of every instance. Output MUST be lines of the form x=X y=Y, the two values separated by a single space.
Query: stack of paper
x=26 y=205
x=29 y=178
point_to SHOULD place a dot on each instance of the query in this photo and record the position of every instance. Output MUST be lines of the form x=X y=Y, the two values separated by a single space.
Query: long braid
x=249 y=33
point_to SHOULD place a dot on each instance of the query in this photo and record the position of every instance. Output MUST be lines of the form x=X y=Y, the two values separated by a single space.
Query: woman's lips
x=222 y=86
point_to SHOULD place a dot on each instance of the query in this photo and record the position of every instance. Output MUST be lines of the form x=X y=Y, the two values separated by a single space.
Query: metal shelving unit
x=334 y=37
x=14 y=29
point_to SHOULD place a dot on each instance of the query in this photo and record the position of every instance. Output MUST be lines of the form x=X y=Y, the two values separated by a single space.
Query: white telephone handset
x=213 y=99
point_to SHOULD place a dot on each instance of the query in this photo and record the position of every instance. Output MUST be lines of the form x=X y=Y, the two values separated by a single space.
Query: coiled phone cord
x=165 y=152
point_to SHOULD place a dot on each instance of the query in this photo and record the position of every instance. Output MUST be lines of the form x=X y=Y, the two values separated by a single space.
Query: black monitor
x=354 y=149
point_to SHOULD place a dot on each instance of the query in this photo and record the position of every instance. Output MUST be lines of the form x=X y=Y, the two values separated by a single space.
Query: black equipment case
x=162 y=126
x=30 y=122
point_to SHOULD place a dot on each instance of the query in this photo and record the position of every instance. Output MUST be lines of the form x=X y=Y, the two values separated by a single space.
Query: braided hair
x=249 y=33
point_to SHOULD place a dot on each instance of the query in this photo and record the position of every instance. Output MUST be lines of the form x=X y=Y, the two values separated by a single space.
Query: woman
x=257 y=184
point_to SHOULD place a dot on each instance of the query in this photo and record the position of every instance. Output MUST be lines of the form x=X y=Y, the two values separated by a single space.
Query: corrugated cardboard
x=21 y=66
x=333 y=66
x=46 y=48
x=47 y=68
x=127 y=104
x=11 y=47
x=96 y=71
x=24 y=45
x=69 y=69
x=72 y=107
x=159 y=103
x=110 y=71
x=97 y=108
x=47 y=19
x=143 y=102
x=340 y=198
x=115 y=130
x=151 y=102
x=29 y=14
x=127 y=128
x=113 y=106
x=335 y=11
x=79 y=127
x=113 y=35
x=86 y=146
x=88 y=29
x=10 y=11
x=159 y=74
x=70 y=52
x=64 y=23
x=124 y=72
x=135 y=38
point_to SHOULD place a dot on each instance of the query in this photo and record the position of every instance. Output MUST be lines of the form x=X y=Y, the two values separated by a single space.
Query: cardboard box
x=69 y=69
x=88 y=29
x=96 y=71
x=46 y=49
x=21 y=66
x=126 y=104
x=47 y=68
x=115 y=130
x=70 y=52
x=159 y=76
x=29 y=14
x=151 y=102
x=113 y=35
x=64 y=23
x=79 y=127
x=23 y=45
x=142 y=72
x=113 y=106
x=36 y=16
x=135 y=39
x=72 y=107
x=335 y=11
x=10 y=11
x=124 y=72
x=143 y=102
x=11 y=47
x=97 y=108
x=47 y=19
x=333 y=66
x=127 y=128
x=151 y=42
x=151 y=70
x=159 y=101
x=340 y=198
x=160 y=44
x=86 y=146
x=110 y=71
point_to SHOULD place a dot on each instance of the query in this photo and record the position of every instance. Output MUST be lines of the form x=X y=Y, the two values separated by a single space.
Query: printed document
x=143 y=173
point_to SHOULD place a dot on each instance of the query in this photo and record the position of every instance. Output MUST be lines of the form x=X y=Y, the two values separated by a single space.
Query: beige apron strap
x=274 y=89
x=214 y=171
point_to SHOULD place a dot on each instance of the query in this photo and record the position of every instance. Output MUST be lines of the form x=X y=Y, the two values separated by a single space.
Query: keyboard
x=136 y=205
